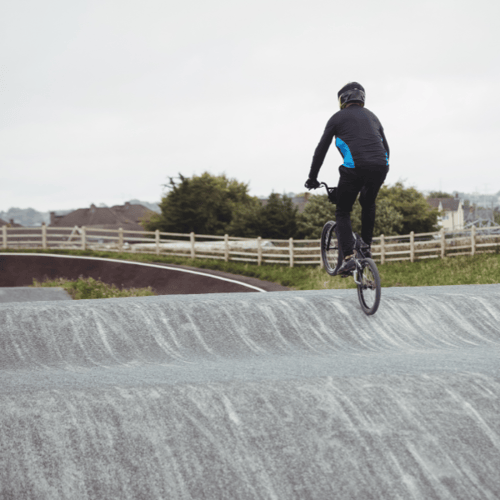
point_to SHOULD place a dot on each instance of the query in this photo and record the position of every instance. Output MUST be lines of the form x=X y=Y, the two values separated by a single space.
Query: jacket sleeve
x=322 y=149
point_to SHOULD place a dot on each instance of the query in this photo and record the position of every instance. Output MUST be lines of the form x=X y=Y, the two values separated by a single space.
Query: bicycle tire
x=370 y=290
x=330 y=251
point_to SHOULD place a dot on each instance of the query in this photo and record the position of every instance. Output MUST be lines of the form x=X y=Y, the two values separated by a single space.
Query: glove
x=311 y=184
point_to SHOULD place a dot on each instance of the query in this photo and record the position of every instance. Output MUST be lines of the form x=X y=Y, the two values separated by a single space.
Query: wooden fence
x=256 y=250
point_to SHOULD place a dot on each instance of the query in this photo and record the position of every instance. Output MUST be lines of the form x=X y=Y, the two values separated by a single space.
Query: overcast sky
x=103 y=100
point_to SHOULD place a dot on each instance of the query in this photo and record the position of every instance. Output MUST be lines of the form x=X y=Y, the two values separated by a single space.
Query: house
x=11 y=223
x=452 y=212
x=126 y=216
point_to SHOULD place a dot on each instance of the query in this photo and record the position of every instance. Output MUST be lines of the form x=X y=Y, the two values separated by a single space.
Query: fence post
x=259 y=251
x=120 y=239
x=290 y=246
x=44 y=236
x=473 y=240
x=191 y=238
x=382 y=249
x=412 y=246
x=226 y=247
x=4 y=236
x=157 y=241
x=84 y=238
x=443 y=244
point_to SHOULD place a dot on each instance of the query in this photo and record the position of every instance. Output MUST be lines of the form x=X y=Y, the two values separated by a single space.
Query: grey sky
x=102 y=100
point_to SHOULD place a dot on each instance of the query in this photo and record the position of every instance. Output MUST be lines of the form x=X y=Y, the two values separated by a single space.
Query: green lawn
x=480 y=269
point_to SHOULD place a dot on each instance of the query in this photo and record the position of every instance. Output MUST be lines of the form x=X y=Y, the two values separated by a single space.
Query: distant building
x=126 y=216
x=11 y=223
x=452 y=212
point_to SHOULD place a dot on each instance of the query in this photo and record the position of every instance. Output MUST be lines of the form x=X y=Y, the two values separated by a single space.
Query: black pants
x=353 y=181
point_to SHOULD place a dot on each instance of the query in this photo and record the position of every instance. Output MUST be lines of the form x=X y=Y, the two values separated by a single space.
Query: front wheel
x=330 y=252
x=369 y=289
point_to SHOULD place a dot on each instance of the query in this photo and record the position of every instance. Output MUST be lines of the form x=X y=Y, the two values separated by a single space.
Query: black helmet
x=350 y=93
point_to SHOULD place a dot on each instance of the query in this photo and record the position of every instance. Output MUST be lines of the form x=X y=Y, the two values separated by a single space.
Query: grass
x=482 y=269
x=462 y=270
x=89 y=288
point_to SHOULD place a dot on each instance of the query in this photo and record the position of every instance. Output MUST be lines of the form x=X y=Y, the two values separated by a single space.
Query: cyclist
x=361 y=141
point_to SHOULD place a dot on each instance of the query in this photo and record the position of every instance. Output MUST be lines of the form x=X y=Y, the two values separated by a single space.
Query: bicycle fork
x=356 y=272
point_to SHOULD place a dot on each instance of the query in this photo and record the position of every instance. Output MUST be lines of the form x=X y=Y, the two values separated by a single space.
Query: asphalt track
x=286 y=395
x=18 y=270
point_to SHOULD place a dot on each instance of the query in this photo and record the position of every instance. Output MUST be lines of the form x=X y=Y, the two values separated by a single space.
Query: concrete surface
x=27 y=294
x=288 y=395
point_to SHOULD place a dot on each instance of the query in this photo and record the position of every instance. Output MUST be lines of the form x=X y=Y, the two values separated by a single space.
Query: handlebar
x=331 y=191
x=328 y=188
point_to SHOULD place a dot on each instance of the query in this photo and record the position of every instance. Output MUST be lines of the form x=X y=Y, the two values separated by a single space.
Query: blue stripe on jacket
x=345 y=152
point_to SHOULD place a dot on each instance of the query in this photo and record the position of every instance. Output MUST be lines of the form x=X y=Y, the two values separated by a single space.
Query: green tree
x=440 y=194
x=417 y=214
x=246 y=220
x=399 y=210
x=317 y=211
x=276 y=219
x=388 y=221
x=203 y=204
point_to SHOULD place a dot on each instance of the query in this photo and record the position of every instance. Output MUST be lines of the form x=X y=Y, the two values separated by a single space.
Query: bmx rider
x=361 y=141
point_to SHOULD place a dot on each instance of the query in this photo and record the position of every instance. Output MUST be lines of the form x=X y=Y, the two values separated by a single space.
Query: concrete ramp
x=27 y=294
x=289 y=395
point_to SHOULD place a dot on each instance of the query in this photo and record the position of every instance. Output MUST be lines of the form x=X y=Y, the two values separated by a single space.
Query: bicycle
x=366 y=275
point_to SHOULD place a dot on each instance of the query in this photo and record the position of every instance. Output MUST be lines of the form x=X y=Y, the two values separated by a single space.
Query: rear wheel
x=369 y=291
x=330 y=252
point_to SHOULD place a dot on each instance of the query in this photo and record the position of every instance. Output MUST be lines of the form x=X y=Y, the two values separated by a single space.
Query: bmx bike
x=366 y=275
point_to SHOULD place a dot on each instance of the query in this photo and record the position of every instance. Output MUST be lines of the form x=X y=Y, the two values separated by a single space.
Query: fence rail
x=256 y=250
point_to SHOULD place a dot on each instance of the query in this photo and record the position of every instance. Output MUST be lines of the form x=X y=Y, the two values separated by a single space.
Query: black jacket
x=360 y=140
